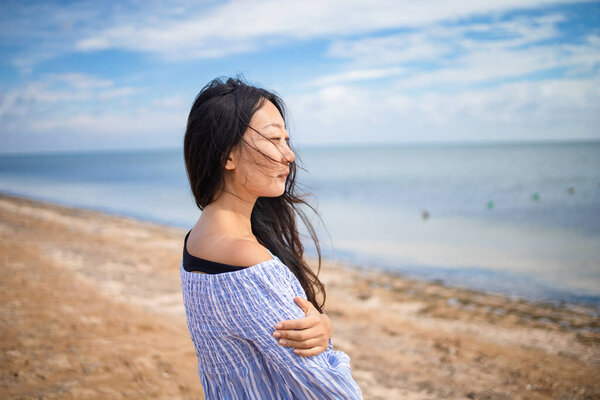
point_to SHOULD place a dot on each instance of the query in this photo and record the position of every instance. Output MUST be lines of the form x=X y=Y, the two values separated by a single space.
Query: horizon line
x=328 y=145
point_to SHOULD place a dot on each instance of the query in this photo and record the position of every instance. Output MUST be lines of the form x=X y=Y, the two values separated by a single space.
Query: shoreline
x=413 y=273
x=113 y=281
x=562 y=297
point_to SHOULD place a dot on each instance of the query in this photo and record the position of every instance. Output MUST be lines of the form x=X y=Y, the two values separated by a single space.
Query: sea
x=518 y=219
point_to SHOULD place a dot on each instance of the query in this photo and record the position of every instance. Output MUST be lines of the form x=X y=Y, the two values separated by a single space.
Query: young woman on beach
x=251 y=300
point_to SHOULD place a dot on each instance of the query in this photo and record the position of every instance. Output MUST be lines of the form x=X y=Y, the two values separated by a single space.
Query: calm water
x=517 y=219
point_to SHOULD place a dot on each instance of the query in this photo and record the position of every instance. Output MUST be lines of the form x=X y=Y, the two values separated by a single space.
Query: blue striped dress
x=231 y=318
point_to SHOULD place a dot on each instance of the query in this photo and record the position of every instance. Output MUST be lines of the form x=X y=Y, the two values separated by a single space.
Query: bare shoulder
x=245 y=252
x=227 y=250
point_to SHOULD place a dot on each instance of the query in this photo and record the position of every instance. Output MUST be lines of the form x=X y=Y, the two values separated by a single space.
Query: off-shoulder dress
x=231 y=314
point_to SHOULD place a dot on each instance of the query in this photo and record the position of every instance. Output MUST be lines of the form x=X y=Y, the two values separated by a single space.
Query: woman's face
x=261 y=164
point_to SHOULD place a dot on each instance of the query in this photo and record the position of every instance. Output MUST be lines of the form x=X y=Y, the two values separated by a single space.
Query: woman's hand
x=309 y=335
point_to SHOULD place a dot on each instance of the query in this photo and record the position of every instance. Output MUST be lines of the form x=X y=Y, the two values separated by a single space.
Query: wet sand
x=91 y=309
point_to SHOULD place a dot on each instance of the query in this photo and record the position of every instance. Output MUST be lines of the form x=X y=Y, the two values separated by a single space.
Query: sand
x=91 y=309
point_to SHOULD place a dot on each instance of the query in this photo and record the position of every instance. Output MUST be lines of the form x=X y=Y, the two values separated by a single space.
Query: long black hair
x=217 y=121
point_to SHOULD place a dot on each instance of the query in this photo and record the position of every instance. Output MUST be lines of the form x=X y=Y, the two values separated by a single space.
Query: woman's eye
x=287 y=140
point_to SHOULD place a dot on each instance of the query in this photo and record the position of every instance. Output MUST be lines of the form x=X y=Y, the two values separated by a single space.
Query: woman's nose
x=289 y=154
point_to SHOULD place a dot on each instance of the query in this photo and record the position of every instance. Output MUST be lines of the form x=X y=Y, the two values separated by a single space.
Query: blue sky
x=85 y=75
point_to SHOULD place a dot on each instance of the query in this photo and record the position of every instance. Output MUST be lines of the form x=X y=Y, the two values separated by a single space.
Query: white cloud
x=434 y=43
x=135 y=124
x=493 y=64
x=116 y=92
x=516 y=111
x=132 y=127
x=172 y=102
x=241 y=26
x=467 y=53
x=70 y=105
x=78 y=81
x=440 y=103
x=356 y=75
x=407 y=102
x=63 y=88
x=44 y=30
x=183 y=30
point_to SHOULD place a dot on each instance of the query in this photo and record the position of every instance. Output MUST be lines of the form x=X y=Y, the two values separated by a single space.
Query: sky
x=89 y=75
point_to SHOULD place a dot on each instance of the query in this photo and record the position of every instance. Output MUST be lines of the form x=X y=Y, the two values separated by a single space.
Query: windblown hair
x=216 y=124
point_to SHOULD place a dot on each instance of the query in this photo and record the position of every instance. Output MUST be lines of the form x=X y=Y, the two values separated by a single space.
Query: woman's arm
x=310 y=335
x=270 y=299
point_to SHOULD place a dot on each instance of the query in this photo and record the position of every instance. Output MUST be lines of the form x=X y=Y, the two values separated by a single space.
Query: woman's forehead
x=266 y=116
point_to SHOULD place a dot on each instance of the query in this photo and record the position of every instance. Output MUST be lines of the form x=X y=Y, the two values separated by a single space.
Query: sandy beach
x=91 y=309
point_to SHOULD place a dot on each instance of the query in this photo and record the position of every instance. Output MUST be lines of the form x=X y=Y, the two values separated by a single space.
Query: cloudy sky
x=83 y=75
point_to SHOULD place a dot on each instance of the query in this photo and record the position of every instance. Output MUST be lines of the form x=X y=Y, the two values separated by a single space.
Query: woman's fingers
x=302 y=335
x=309 y=335
x=302 y=323
x=307 y=348
x=311 y=316
x=305 y=344
x=304 y=304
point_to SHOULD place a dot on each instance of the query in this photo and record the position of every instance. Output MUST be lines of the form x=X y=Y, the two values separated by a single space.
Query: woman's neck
x=230 y=214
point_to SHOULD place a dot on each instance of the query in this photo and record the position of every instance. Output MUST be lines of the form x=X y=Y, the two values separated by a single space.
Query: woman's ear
x=232 y=159
x=230 y=165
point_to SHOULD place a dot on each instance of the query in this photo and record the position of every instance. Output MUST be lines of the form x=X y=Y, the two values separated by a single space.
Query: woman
x=253 y=314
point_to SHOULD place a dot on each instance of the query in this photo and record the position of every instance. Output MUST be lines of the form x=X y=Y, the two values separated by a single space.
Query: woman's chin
x=276 y=192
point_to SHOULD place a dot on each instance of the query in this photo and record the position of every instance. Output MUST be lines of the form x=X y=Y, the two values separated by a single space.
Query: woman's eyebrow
x=274 y=124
